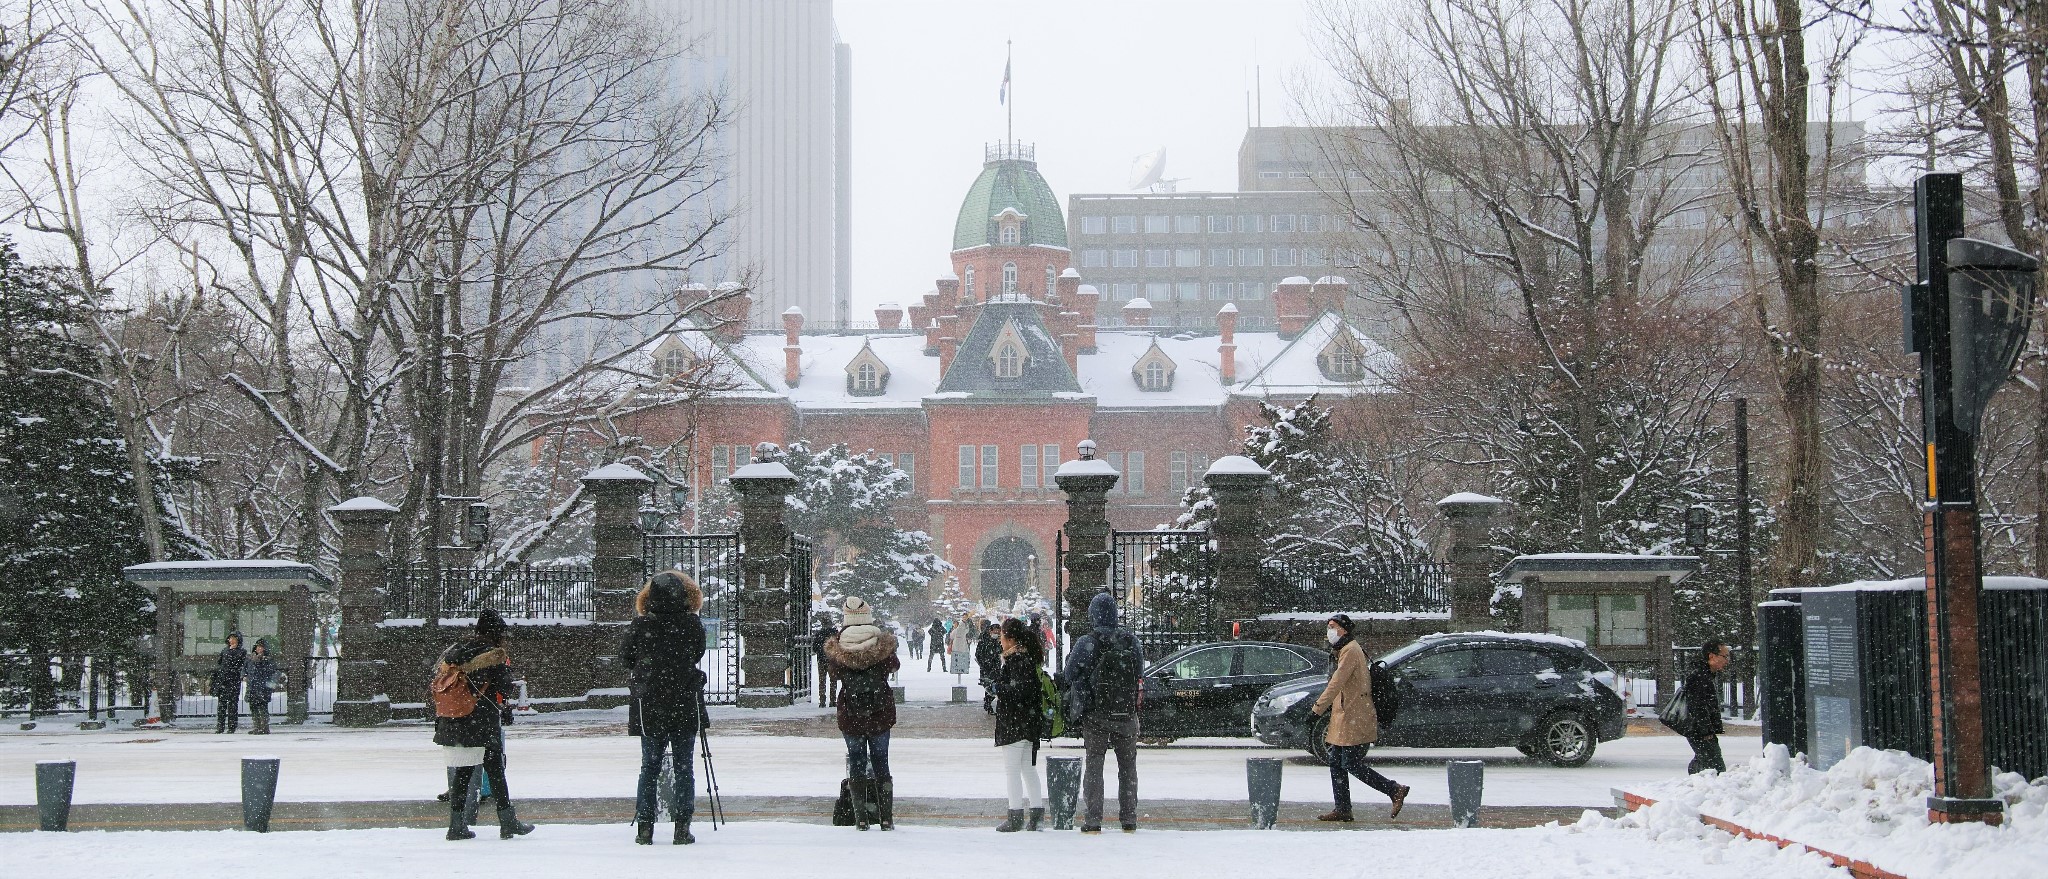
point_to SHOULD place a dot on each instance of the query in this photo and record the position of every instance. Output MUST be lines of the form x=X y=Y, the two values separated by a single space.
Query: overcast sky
x=1096 y=84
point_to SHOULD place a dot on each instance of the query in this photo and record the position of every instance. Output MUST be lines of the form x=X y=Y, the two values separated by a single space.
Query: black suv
x=1543 y=694
x=1208 y=689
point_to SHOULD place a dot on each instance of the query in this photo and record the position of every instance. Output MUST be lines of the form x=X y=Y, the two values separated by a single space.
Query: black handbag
x=842 y=808
x=1673 y=712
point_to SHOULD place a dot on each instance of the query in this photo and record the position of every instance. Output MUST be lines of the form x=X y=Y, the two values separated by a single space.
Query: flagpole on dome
x=1003 y=97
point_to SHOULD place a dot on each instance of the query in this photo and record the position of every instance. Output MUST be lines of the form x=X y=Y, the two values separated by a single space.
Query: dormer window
x=865 y=378
x=1008 y=356
x=969 y=281
x=1154 y=370
x=1342 y=360
x=675 y=363
x=1011 y=232
x=1155 y=377
x=1009 y=361
x=1009 y=279
x=1052 y=283
x=866 y=374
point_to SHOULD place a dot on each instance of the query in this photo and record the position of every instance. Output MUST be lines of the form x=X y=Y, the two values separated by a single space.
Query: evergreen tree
x=68 y=520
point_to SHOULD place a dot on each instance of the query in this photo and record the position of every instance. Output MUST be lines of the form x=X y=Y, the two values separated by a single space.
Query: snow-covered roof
x=1470 y=497
x=1914 y=584
x=1601 y=567
x=362 y=504
x=1295 y=370
x=227 y=575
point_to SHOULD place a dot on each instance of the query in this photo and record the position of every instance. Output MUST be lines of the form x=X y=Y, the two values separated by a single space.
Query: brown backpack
x=450 y=690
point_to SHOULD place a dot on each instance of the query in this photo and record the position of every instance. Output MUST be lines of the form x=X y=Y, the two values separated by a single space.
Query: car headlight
x=1280 y=704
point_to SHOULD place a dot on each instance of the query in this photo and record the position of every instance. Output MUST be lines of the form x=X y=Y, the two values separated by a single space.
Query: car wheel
x=1318 y=724
x=1565 y=740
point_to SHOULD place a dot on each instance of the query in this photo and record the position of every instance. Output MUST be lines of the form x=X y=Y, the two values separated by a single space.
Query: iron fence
x=58 y=684
x=714 y=561
x=524 y=591
x=1347 y=584
x=1165 y=583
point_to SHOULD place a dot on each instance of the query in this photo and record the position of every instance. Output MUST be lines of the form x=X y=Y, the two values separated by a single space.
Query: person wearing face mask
x=1353 y=726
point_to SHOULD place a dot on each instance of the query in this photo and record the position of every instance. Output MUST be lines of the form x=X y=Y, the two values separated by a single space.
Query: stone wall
x=557 y=659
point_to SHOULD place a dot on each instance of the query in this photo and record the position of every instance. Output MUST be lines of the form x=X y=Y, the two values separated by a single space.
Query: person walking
x=1702 y=694
x=935 y=644
x=821 y=628
x=474 y=741
x=226 y=685
x=1102 y=683
x=1019 y=722
x=960 y=643
x=1353 y=725
x=988 y=656
x=663 y=646
x=259 y=676
x=916 y=643
x=862 y=657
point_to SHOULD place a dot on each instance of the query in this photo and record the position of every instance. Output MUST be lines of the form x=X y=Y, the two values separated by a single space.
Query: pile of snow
x=1872 y=806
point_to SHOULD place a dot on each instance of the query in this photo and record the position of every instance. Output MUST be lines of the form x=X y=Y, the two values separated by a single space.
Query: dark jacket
x=935 y=637
x=227 y=672
x=1079 y=675
x=492 y=683
x=259 y=670
x=1702 y=702
x=874 y=655
x=661 y=652
x=988 y=655
x=1015 y=685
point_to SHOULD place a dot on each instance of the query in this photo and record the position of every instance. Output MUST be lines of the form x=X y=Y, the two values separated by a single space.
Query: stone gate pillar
x=615 y=491
x=1087 y=481
x=359 y=697
x=764 y=598
x=1235 y=483
x=1470 y=557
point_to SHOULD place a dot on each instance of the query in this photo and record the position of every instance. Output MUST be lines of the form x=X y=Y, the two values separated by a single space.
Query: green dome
x=1010 y=180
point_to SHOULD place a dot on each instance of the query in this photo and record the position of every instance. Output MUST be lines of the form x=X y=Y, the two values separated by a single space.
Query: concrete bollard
x=259 y=792
x=959 y=694
x=1062 y=790
x=901 y=694
x=54 y=780
x=1262 y=783
x=1467 y=782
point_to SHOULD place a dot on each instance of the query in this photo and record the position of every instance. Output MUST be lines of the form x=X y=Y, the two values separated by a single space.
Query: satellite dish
x=1146 y=170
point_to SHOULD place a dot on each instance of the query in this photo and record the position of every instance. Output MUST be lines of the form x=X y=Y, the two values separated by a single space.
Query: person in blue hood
x=1101 y=680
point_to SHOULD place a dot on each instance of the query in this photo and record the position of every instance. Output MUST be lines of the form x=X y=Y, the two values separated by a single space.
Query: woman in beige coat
x=1353 y=727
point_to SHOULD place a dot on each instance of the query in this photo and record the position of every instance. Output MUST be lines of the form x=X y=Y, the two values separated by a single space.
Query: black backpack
x=1113 y=693
x=1386 y=700
x=866 y=690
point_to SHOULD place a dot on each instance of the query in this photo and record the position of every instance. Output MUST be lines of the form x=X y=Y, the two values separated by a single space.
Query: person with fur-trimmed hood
x=861 y=657
x=663 y=646
x=476 y=741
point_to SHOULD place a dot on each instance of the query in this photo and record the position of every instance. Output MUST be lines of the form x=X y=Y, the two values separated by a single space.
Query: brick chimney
x=1226 y=349
x=1068 y=284
x=1292 y=307
x=690 y=296
x=1332 y=294
x=1071 y=350
x=949 y=340
x=889 y=316
x=792 y=346
x=1086 y=301
x=727 y=318
x=931 y=338
x=920 y=312
x=947 y=295
x=1138 y=312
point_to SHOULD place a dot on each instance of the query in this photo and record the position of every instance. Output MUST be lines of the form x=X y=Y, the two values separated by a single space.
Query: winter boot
x=885 y=804
x=1334 y=815
x=861 y=793
x=1012 y=824
x=1130 y=828
x=458 y=828
x=1399 y=797
x=508 y=822
x=1037 y=815
x=683 y=835
x=643 y=833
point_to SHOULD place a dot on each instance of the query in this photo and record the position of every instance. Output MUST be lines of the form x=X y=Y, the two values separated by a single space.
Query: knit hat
x=490 y=626
x=1343 y=621
x=856 y=612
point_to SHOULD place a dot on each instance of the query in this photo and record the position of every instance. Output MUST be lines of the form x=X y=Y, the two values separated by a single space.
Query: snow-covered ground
x=1871 y=806
x=1595 y=850
x=577 y=756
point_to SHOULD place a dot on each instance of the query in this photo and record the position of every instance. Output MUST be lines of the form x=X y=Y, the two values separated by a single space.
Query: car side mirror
x=1164 y=674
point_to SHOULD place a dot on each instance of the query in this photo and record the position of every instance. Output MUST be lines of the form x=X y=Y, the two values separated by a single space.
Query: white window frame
x=1027 y=465
x=991 y=467
x=968 y=468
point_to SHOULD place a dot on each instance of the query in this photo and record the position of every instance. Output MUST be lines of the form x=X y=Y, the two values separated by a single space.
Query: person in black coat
x=663 y=646
x=1702 y=693
x=477 y=739
x=1020 y=723
x=935 y=644
x=226 y=685
x=988 y=659
x=259 y=673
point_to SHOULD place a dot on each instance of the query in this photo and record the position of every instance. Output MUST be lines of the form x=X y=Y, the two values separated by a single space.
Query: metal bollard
x=1062 y=790
x=1262 y=782
x=901 y=694
x=1467 y=782
x=54 y=779
x=259 y=792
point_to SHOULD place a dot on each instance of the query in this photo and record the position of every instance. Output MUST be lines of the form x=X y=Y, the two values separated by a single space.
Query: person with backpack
x=662 y=647
x=226 y=685
x=259 y=675
x=1353 y=726
x=1102 y=685
x=1019 y=707
x=1702 y=695
x=468 y=693
x=862 y=657
x=935 y=644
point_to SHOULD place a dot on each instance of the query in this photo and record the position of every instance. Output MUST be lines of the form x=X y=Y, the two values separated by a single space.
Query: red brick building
x=984 y=385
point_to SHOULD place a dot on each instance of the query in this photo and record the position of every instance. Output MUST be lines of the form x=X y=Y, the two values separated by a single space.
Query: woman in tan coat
x=1353 y=727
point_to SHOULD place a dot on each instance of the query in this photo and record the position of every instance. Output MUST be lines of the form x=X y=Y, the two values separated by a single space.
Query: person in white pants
x=1019 y=723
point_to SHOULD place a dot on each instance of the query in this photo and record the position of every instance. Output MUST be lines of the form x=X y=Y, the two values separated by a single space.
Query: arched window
x=1342 y=363
x=1010 y=233
x=675 y=362
x=970 y=282
x=1009 y=279
x=1052 y=282
x=1009 y=361
x=1155 y=376
x=865 y=378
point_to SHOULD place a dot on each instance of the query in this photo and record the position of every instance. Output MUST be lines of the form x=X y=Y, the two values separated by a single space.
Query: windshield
x=1403 y=652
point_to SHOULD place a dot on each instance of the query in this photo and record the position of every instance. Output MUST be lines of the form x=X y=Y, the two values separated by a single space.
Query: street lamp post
x=1966 y=316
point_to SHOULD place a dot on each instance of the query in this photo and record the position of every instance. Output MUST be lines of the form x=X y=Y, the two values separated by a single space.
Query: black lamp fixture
x=1696 y=528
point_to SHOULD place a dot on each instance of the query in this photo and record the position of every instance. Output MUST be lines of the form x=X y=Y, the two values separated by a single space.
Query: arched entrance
x=1006 y=569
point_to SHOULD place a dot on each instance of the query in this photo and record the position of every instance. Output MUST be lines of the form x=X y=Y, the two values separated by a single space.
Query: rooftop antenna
x=1148 y=170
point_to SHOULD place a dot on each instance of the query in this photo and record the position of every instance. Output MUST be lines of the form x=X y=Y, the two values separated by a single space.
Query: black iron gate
x=1164 y=582
x=802 y=642
x=713 y=560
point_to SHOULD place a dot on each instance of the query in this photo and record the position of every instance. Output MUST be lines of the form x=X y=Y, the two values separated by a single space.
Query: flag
x=1003 y=94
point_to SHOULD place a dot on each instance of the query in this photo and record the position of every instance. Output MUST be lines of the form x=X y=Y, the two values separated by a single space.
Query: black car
x=1208 y=689
x=1545 y=695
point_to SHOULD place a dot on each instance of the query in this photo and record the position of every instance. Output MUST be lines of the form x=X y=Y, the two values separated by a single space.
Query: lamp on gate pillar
x=1966 y=316
x=1087 y=481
